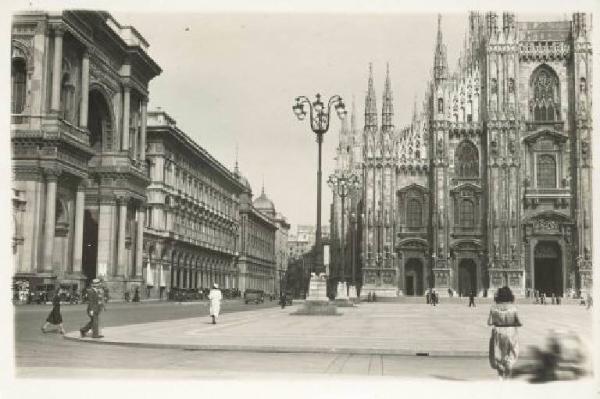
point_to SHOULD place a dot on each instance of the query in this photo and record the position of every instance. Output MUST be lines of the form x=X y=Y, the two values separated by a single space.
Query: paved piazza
x=382 y=328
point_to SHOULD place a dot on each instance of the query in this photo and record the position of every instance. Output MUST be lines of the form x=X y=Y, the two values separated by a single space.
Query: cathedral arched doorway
x=548 y=276
x=467 y=277
x=413 y=277
x=89 y=253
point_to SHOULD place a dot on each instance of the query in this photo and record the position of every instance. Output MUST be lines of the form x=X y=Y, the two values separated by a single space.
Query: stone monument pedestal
x=342 y=298
x=352 y=294
x=317 y=303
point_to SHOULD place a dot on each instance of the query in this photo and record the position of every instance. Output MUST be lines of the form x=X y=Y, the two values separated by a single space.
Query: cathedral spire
x=440 y=63
x=353 y=116
x=387 y=113
x=414 y=115
x=370 y=103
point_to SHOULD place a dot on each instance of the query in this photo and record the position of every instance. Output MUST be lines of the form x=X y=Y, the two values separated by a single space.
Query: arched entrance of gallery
x=548 y=268
x=100 y=123
x=467 y=277
x=413 y=277
x=100 y=126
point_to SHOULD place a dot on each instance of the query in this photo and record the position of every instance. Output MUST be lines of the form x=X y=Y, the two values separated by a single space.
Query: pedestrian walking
x=282 y=300
x=553 y=299
x=54 y=318
x=434 y=298
x=95 y=295
x=504 y=340
x=215 y=298
x=136 y=294
x=589 y=301
x=428 y=297
x=471 y=298
x=369 y=297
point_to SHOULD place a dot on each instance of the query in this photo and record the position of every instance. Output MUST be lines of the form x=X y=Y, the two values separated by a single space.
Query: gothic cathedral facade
x=490 y=184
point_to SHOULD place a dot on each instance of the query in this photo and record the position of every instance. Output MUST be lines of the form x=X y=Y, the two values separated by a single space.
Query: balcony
x=404 y=231
x=48 y=127
x=533 y=126
x=560 y=197
x=466 y=232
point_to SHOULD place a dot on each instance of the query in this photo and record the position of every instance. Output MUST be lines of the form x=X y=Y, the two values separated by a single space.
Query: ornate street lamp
x=319 y=123
x=342 y=183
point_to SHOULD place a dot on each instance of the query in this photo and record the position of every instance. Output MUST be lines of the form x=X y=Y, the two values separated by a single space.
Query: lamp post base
x=342 y=299
x=317 y=303
x=352 y=294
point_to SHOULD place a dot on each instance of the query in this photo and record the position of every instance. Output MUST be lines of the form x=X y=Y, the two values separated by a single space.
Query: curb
x=286 y=349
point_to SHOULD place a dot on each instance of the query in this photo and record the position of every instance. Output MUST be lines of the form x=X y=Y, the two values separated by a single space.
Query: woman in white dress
x=504 y=342
x=215 y=297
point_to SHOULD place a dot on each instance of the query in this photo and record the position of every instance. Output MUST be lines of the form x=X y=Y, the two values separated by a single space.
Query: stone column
x=57 y=68
x=143 y=130
x=122 y=259
x=50 y=219
x=139 y=244
x=126 y=108
x=78 y=233
x=85 y=89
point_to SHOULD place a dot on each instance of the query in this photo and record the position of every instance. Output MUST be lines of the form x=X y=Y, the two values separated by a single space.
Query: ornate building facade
x=264 y=205
x=257 y=260
x=79 y=94
x=490 y=184
x=192 y=213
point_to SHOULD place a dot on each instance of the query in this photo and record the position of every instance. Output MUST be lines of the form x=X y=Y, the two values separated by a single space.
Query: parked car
x=256 y=296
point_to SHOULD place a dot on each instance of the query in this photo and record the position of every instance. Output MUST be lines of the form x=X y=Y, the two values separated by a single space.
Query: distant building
x=303 y=239
x=192 y=213
x=264 y=205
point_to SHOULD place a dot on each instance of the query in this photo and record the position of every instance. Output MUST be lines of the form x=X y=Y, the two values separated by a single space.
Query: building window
x=466 y=160
x=440 y=105
x=18 y=78
x=546 y=171
x=67 y=98
x=545 y=104
x=467 y=213
x=414 y=213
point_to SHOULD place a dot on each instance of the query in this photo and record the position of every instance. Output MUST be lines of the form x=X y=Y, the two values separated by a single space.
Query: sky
x=230 y=80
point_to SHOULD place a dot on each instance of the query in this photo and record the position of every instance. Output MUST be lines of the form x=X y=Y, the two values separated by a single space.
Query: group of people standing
x=432 y=298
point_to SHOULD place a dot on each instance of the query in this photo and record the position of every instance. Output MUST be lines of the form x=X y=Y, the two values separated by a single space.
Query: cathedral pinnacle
x=414 y=116
x=370 y=103
x=388 y=103
x=353 y=116
x=440 y=64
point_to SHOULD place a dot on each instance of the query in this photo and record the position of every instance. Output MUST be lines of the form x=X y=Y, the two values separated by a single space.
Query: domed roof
x=264 y=204
x=244 y=182
x=241 y=178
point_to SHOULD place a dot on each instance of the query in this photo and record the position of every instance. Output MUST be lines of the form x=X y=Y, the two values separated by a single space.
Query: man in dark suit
x=95 y=306
x=471 y=298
